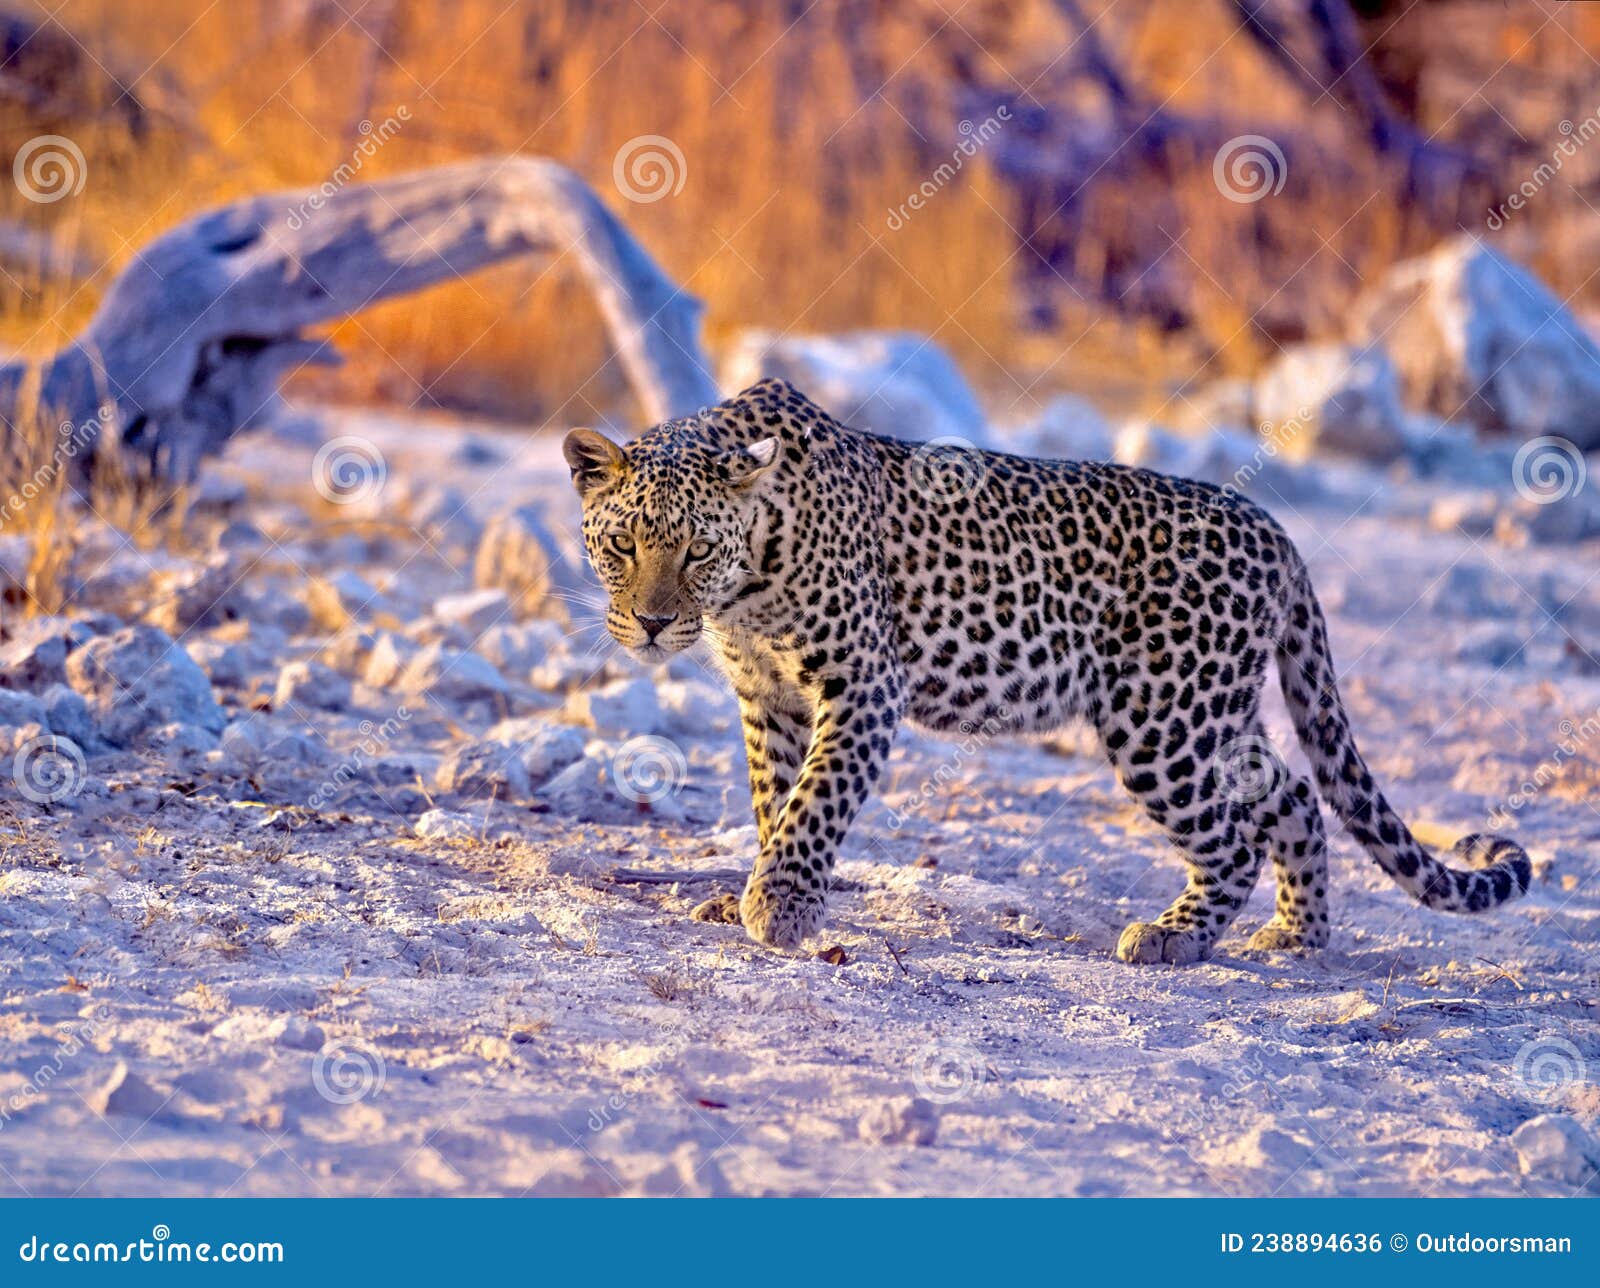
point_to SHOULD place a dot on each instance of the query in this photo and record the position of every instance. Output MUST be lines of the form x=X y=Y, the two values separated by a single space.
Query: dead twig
x=651 y=876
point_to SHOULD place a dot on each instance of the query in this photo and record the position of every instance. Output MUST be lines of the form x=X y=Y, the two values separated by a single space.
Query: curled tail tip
x=1505 y=863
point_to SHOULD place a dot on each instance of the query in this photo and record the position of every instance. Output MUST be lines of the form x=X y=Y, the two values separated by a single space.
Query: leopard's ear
x=593 y=459
x=744 y=465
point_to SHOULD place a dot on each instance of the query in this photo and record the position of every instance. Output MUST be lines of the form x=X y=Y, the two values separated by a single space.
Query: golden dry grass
x=780 y=222
x=790 y=175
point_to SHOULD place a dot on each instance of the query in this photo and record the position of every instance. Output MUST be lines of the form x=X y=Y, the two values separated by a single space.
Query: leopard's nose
x=653 y=626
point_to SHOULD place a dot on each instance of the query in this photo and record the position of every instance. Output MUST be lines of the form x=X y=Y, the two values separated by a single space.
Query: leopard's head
x=667 y=523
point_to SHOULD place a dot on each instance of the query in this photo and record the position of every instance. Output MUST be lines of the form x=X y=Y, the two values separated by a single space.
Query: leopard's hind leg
x=1290 y=824
x=1178 y=770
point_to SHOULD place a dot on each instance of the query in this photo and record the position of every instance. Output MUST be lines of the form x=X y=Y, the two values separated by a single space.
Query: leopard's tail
x=1501 y=868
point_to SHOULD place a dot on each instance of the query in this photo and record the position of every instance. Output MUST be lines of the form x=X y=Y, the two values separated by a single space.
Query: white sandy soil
x=220 y=978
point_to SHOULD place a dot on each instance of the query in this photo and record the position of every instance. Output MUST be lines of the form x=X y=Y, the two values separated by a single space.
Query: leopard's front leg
x=854 y=726
x=777 y=731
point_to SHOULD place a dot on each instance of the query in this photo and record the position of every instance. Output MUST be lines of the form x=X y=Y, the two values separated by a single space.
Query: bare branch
x=191 y=339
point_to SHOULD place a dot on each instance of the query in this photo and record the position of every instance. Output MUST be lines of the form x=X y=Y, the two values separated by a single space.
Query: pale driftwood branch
x=191 y=339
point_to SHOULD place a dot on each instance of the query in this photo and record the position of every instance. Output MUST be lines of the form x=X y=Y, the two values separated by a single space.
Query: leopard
x=849 y=583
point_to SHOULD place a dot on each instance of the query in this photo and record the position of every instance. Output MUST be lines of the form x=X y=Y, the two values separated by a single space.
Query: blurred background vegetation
x=1085 y=247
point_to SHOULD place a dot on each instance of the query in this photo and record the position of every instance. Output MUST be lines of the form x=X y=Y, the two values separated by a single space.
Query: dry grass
x=55 y=474
x=37 y=467
x=781 y=220
x=790 y=175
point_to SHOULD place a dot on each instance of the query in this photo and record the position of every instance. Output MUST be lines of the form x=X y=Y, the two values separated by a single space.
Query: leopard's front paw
x=778 y=914
x=1145 y=941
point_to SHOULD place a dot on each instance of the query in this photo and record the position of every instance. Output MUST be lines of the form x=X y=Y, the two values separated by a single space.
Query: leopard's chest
x=771 y=669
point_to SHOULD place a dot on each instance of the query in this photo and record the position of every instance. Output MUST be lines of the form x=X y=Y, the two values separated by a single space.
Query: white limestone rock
x=1067 y=428
x=484 y=769
x=1557 y=1148
x=138 y=680
x=896 y=383
x=449 y=675
x=905 y=1120
x=517 y=647
x=543 y=748
x=1332 y=398
x=1473 y=333
x=308 y=684
x=447 y=825
x=473 y=611
x=624 y=708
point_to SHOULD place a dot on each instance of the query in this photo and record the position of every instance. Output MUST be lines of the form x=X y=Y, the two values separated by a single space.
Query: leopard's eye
x=622 y=543
x=698 y=549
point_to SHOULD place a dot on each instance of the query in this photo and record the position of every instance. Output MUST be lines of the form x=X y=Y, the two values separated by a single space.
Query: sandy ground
x=218 y=978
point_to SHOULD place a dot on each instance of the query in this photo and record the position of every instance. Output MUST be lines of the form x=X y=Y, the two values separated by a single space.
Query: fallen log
x=193 y=337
